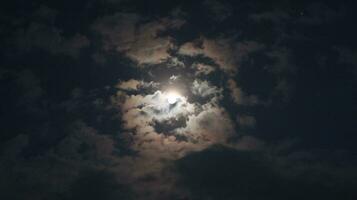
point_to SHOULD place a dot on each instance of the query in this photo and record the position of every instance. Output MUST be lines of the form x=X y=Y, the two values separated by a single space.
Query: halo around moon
x=172 y=97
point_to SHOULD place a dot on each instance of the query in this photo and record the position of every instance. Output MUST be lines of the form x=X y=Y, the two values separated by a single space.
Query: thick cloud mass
x=264 y=108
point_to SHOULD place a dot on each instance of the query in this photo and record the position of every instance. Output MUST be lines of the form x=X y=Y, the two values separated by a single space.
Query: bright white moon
x=172 y=97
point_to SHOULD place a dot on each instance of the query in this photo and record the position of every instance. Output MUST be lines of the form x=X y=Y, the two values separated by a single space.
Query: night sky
x=178 y=100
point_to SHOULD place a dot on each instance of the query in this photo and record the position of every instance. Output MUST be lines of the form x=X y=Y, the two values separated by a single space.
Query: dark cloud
x=141 y=42
x=53 y=172
x=348 y=57
x=219 y=10
x=99 y=185
x=38 y=35
x=221 y=172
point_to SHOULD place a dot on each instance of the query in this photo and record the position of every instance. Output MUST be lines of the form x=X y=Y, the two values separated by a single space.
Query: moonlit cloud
x=202 y=69
x=134 y=85
x=210 y=126
x=129 y=85
x=220 y=51
x=204 y=89
x=141 y=112
x=225 y=52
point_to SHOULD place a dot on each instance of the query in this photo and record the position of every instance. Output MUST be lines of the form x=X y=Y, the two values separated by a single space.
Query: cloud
x=143 y=114
x=204 y=89
x=219 y=50
x=220 y=171
x=85 y=142
x=131 y=84
x=46 y=14
x=174 y=62
x=139 y=41
x=284 y=71
x=225 y=52
x=27 y=93
x=14 y=147
x=282 y=57
x=274 y=16
x=39 y=35
x=347 y=56
x=53 y=171
x=161 y=133
x=203 y=124
x=239 y=97
x=112 y=31
x=248 y=143
x=191 y=49
x=202 y=69
x=156 y=105
x=99 y=184
x=246 y=120
x=155 y=147
x=210 y=126
x=30 y=85
x=135 y=85
x=140 y=113
x=220 y=11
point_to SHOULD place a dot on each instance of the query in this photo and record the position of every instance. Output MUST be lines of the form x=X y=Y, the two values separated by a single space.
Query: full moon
x=172 y=97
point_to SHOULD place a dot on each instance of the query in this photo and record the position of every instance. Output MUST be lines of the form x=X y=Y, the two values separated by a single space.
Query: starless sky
x=178 y=100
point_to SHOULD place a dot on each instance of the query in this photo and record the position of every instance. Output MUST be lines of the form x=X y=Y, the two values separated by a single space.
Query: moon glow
x=172 y=97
